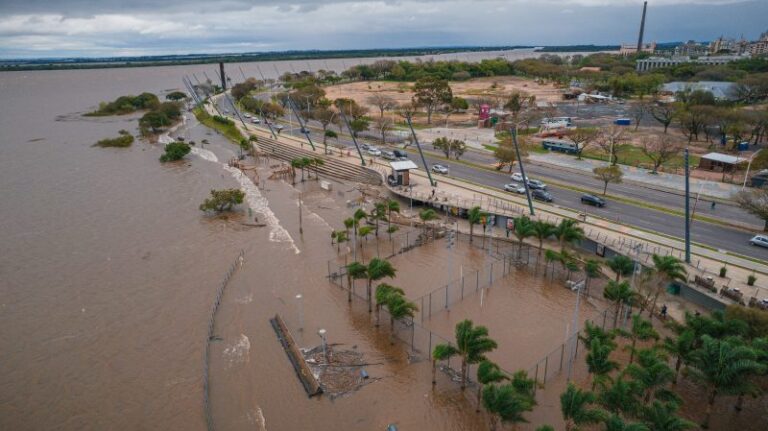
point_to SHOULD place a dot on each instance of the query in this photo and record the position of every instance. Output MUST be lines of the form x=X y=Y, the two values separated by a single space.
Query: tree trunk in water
x=370 y=300
x=434 y=371
x=349 y=291
x=710 y=405
x=472 y=230
x=616 y=315
x=463 y=373
x=378 y=314
x=479 y=397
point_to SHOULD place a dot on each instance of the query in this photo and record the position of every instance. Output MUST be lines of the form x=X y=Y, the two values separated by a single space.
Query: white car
x=255 y=121
x=247 y=115
x=517 y=176
x=440 y=169
x=515 y=188
x=278 y=126
x=760 y=240
x=374 y=151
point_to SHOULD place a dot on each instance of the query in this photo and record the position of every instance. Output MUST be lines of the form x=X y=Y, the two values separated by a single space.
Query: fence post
x=477 y=280
x=491 y=275
x=462 y=287
x=562 y=354
x=413 y=334
x=422 y=309
x=446 y=296
x=546 y=366
x=430 y=304
x=430 y=345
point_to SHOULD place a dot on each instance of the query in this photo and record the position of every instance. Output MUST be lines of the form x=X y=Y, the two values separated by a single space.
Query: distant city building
x=690 y=49
x=722 y=45
x=652 y=63
x=629 y=49
x=721 y=90
x=760 y=47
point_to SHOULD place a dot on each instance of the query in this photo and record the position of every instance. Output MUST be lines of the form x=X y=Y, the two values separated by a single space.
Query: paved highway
x=713 y=235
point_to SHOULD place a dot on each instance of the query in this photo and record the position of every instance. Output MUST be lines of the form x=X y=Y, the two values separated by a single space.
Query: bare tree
x=664 y=114
x=608 y=174
x=609 y=140
x=692 y=120
x=383 y=125
x=659 y=149
x=755 y=202
x=583 y=138
x=381 y=101
x=638 y=111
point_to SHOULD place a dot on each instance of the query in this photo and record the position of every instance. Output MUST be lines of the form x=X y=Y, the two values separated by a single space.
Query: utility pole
x=421 y=153
x=513 y=131
x=301 y=226
x=223 y=76
x=687 y=208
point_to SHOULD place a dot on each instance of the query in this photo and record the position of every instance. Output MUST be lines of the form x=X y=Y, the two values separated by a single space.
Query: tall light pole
x=322 y=333
x=687 y=207
x=748 y=167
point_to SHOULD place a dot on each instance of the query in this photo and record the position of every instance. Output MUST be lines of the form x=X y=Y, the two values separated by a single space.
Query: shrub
x=751 y=280
x=124 y=140
x=175 y=151
x=223 y=200
x=723 y=271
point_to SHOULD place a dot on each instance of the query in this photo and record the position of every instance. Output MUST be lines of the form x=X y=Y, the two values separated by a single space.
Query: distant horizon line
x=305 y=51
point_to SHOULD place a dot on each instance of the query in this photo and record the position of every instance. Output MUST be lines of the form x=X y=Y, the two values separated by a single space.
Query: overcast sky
x=98 y=28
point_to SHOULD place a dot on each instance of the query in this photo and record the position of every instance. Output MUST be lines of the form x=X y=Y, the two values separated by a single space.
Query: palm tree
x=569 y=262
x=568 y=232
x=524 y=385
x=306 y=162
x=592 y=270
x=383 y=293
x=680 y=346
x=340 y=237
x=620 y=294
x=472 y=343
x=550 y=257
x=363 y=233
x=621 y=265
x=355 y=271
x=316 y=163
x=474 y=216
x=594 y=332
x=378 y=269
x=722 y=366
x=379 y=212
x=487 y=372
x=621 y=396
x=651 y=372
x=296 y=164
x=542 y=230
x=523 y=229
x=669 y=269
x=616 y=423
x=349 y=224
x=641 y=330
x=575 y=406
x=427 y=215
x=399 y=308
x=599 y=363
x=661 y=417
x=441 y=352
x=504 y=402
x=392 y=206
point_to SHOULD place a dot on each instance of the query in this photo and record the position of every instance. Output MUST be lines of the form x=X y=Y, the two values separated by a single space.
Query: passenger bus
x=560 y=145
x=556 y=122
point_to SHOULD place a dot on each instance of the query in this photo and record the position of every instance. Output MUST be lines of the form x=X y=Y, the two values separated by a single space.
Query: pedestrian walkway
x=638 y=175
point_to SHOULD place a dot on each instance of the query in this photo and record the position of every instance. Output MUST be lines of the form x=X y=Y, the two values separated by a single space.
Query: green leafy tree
x=651 y=372
x=487 y=372
x=542 y=230
x=659 y=416
x=608 y=174
x=622 y=396
x=175 y=151
x=641 y=330
x=430 y=93
x=523 y=229
x=223 y=200
x=723 y=367
x=505 y=403
x=592 y=270
x=355 y=271
x=391 y=206
x=506 y=154
x=616 y=423
x=576 y=406
x=383 y=293
x=620 y=294
x=441 y=352
x=669 y=269
x=399 y=308
x=474 y=216
x=176 y=95
x=621 y=265
x=377 y=270
x=598 y=359
x=472 y=343
x=568 y=232
x=340 y=236
x=427 y=215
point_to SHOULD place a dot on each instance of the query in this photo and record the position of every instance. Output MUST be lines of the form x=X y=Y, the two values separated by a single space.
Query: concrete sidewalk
x=638 y=175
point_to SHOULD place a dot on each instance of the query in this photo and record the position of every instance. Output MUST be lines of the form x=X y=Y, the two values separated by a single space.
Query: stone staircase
x=332 y=167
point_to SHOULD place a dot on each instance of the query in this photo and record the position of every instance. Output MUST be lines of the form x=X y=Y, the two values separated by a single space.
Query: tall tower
x=223 y=77
x=642 y=29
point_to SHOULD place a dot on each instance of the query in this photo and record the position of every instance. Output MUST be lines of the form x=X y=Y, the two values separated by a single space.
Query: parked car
x=515 y=188
x=440 y=169
x=389 y=155
x=542 y=195
x=255 y=121
x=364 y=147
x=593 y=200
x=391 y=180
x=400 y=154
x=760 y=240
x=374 y=151
x=278 y=127
x=247 y=115
x=536 y=185
x=517 y=176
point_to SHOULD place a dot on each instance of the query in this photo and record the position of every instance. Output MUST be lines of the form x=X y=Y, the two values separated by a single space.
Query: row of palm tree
x=505 y=402
x=376 y=269
x=306 y=163
x=382 y=211
x=717 y=353
x=567 y=232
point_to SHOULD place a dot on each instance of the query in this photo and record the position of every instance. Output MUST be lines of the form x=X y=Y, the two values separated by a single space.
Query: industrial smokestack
x=642 y=29
x=224 y=77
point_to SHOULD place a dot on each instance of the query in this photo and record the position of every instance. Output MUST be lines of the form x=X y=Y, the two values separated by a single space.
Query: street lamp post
x=749 y=165
x=321 y=332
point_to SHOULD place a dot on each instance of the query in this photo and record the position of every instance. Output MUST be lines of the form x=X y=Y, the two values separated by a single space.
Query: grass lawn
x=228 y=130
x=633 y=156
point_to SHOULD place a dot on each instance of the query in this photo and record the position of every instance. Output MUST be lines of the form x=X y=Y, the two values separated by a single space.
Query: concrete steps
x=332 y=167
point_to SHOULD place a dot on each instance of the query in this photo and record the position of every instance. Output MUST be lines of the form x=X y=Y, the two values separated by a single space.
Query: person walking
x=712 y=207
